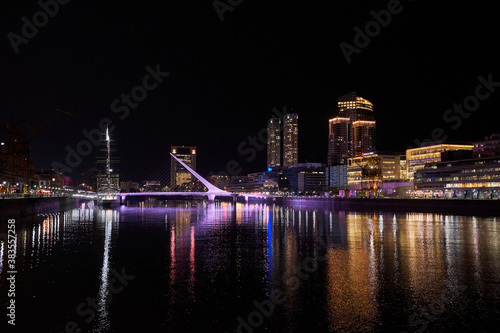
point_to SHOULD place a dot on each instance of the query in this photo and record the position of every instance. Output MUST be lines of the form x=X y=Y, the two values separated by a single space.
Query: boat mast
x=108 y=159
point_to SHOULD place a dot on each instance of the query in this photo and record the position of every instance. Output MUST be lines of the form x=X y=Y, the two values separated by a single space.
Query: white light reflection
x=314 y=222
x=103 y=322
x=477 y=260
x=25 y=243
x=331 y=222
x=1 y=256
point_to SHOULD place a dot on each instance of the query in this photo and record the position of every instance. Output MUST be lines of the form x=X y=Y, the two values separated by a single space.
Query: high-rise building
x=290 y=140
x=338 y=141
x=273 y=142
x=363 y=139
x=178 y=174
x=352 y=130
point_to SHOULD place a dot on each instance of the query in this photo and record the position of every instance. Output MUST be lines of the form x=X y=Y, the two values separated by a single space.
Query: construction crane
x=16 y=149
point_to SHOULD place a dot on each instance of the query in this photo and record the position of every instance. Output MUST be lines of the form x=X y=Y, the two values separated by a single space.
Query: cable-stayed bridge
x=213 y=191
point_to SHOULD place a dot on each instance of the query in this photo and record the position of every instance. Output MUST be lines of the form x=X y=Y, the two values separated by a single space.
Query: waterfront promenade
x=19 y=206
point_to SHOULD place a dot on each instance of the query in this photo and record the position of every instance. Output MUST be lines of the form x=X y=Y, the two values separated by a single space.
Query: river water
x=294 y=267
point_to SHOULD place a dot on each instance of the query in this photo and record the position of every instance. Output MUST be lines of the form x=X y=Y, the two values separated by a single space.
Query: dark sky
x=227 y=76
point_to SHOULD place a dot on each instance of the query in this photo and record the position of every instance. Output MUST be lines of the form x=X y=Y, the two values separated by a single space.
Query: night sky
x=225 y=77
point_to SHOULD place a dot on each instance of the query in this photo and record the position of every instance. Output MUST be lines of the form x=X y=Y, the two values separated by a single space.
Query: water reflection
x=352 y=277
x=108 y=219
x=205 y=264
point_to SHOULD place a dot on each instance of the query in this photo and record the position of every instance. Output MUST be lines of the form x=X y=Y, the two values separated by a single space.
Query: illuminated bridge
x=213 y=191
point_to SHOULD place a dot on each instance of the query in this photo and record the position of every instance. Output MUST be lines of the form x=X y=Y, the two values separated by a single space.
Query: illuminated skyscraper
x=338 y=141
x=273 y=142
x=290 y=140
x=352 y=131
x=363 y=137
x=178 y=174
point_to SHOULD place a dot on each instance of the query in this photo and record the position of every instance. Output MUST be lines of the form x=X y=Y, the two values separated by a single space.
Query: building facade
x=312 y=182
x=273 y=142
x=259 y=182
x=352 y=132
x=369 y=170
x=306 y=178
x=416 y=158
x=470 y=178
x=337 y=177
x=338 y=141
x=363 y=139
x=178 y=174
x=488 y=147
x=290 y=140
x=129 y=186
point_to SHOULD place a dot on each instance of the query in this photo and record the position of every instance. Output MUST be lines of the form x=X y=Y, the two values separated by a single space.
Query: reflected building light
x=172 y=253
x=372 y=271
x=103 y=321
x=381 y=227
x=307 y=220
x=192 y=262
x=331 y=222
x=2 y=244
x=477 y=258
x=33 y=233
x=44 y=234
x=394 y=226
x=314 y=222
x=351 y=293
x=25 y=242
x=270 y=248
x=38 y=244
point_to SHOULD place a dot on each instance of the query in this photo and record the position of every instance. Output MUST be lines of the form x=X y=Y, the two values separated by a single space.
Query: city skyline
x=215 y=208
x=337 y=119
x=195 y=79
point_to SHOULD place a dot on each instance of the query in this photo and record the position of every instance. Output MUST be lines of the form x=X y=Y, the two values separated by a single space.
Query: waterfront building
x=306 y=178
x=369 y=171
x=17 y=173
x=352 y=130
x=338 y=141
x=178 y=174
x=259 y=182
x=488 y=147
x=403 y=175
x=220 y=181
x=151 y=186
x=416 y=158
x=273 y=142
x=363 y=137
x=129 y=186
x=477 y=178
x=337 y=177
x=49 y=182
x=312 y=181
x=290 y=140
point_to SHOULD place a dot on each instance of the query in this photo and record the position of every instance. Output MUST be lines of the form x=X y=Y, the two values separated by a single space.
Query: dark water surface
x=301 y=267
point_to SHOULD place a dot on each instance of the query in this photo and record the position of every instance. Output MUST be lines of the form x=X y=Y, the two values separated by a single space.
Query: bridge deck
x=223 y=194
